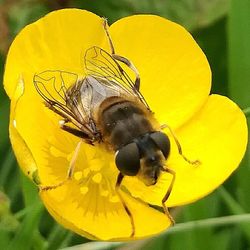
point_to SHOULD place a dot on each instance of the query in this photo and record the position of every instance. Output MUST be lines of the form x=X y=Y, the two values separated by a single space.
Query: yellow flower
x=175 y=81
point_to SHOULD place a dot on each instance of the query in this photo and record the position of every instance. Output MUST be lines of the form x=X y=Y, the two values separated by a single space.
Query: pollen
x=97 y=178
x=95 y=165
x=104 y=193
x=114 y=199
x=86 y=172
x=84 y=190
x=78 y=175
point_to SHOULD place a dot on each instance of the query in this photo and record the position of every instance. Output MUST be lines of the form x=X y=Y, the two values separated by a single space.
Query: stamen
x=95 y=165
x=104 y=187
x=84 y=190
x=112 y=195
x=69 y=156
x=104 y=193
x=114 y=199
x=78 y=175
x=86 y=172
x=97 y=178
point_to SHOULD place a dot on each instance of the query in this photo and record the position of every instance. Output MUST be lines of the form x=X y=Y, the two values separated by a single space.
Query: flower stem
x=211 y=222
x=181 y=227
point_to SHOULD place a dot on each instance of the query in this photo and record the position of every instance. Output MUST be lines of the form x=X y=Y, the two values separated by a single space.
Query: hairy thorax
x=122 y=121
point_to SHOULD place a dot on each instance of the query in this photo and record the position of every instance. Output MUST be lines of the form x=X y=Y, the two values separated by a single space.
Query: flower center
x=94 y=171
x=95 y=178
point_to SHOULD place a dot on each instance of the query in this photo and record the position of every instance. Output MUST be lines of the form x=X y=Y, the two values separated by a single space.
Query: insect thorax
x=122 y=122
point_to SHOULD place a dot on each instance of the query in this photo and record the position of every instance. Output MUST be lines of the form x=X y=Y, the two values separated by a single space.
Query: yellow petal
x=175 y=74
x=90 y=201
x=77 y=205
x=88 y=204
x=57 y=41
x=48 y=44
x=23 y=153
x=217 y=136
x=99 y=218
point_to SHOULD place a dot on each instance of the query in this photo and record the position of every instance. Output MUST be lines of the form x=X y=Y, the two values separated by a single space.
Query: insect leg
x=195 y=162
x=67 y=118
x=70 y=171
x=121 y=58
x=75 y=132
x=117 y=187
x=105 y=25
x=166 y=196
x=57 y=111
x=132 y=67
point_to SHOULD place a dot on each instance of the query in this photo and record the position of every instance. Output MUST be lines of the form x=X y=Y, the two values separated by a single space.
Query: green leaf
x=30 y=191
x=27 y=234
x=192 y=14
x=178 y=228
x=95 y=246
x=247 y=111
x=57 y=236
x=239 y=51
x=234 y=208
x=239 y=86
x=8 y=222
x=8 y=165
x=21 y=14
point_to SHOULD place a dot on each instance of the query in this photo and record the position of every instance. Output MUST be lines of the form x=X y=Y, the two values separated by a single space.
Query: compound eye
x=162 y=142
x=127 y=159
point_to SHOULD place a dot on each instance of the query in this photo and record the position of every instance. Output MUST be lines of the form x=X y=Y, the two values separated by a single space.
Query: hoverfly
x=106 y=106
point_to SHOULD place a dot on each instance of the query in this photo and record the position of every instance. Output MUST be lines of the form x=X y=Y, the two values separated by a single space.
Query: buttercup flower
x=175 y=81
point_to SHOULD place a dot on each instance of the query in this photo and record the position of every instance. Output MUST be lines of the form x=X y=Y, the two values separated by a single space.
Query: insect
x=106 y=106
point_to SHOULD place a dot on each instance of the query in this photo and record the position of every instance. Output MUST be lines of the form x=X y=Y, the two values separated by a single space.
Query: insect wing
x=78 y=99
x=52 y=85
x=101 y=65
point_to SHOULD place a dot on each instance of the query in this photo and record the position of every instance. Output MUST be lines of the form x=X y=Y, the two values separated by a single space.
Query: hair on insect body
x=106 y=106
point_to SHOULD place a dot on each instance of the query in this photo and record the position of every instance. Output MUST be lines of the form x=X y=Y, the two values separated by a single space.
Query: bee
x=106 y=106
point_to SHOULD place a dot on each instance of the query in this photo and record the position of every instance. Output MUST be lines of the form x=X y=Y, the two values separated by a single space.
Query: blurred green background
x=222 y=29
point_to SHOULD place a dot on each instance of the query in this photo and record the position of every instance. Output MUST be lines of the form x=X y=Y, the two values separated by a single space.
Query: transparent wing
x=101 y=65
x=52 y=85
x=61 y=93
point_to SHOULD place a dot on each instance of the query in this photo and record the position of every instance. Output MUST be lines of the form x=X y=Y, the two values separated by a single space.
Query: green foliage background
x=222 y=29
